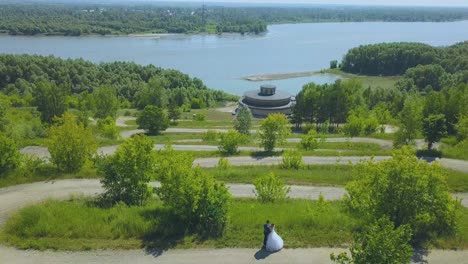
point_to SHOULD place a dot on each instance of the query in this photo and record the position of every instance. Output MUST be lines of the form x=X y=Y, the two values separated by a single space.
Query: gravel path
x=15 y=197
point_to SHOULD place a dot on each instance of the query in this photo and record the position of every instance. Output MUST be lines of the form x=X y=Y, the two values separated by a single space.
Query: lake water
x=221 y=61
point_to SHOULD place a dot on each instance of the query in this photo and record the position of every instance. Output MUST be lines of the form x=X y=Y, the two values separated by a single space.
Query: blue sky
x=352 y=2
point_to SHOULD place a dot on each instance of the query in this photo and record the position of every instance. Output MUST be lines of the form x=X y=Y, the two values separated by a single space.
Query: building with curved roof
x=267 y=101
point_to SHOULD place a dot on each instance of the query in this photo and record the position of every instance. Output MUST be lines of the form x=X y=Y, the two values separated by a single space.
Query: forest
x=75 y=20
x=430 y=99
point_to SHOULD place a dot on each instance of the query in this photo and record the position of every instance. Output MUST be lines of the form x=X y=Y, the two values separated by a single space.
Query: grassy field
x=372 y=81
x=330 y=175
x=81 y=225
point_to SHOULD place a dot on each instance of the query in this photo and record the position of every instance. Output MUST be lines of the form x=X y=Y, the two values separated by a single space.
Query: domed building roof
x=266 y=101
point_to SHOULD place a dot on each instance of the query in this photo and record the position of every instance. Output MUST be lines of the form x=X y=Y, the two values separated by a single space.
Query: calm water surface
x=220 y=61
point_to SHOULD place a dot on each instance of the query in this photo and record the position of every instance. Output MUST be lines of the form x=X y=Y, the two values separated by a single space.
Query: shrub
x=310 y=140
x=333 y=64
x=434 y=153
x=199 y=117
x=107 y=128
x=223 y=164
x=308 y=127
x=127 y=172
x=394 y=188
x=210 y=136
x=198 y=200
x=292 y=159
x=229 y=142
x=70 y=144
x=379 y=242
x=270 y=188
x=9 y=155
x=153 y=119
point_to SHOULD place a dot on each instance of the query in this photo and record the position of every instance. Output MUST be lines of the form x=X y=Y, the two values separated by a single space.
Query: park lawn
x=322 y=175
x=79 y=224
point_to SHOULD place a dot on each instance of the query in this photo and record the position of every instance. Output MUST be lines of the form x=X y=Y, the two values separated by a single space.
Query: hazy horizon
x=394 y=3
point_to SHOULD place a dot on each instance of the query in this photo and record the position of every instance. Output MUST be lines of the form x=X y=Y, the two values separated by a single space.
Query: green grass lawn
x=81 y=225
x=372 y=81
x=330 y=175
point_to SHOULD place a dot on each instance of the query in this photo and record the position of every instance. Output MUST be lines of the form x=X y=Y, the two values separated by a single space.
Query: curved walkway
x=15 y=197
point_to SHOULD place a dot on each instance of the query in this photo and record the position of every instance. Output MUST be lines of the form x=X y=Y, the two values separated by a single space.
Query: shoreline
x=283 y=76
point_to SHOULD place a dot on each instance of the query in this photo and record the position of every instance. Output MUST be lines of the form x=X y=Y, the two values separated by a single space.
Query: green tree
x=85 y=108
x=197 y=199
x=9 y=155
x=410 y=122
x=229 y=142
x=50 y=100
x=379 y=242
x=310 y=141
x=462 y=128
x=153 y=119
x=273 y=130
x=270 y=188
x=173 y=113
x=106 y=102
x=70 y=144
x=394 y=188
x=243 y=121
x=154 y=93
x=434 y=129
x=127 y=172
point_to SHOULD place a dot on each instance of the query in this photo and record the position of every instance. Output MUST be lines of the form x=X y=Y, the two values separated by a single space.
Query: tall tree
x=50 y=100
x=273 y=130
x=106 y=102
x=243 y=121
x=410 y=122
x=434 y=129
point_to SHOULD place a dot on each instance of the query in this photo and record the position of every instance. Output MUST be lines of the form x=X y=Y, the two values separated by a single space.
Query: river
x=221 y=61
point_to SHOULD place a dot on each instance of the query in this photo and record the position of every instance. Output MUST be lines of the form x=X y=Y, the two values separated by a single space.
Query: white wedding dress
x=274 y=242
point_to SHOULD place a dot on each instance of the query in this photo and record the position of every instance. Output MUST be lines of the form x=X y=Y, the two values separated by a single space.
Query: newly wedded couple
x=271 y=241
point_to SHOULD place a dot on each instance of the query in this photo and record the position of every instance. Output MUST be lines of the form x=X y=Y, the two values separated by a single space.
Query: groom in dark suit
x=266 y=231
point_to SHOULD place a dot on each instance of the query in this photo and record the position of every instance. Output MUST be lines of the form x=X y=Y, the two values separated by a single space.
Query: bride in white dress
x=274 y=241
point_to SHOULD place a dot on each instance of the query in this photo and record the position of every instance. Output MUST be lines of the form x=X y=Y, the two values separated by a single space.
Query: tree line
x=430 y=99
x=133 y=84
x=76 y=19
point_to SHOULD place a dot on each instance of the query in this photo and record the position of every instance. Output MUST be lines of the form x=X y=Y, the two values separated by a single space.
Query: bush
x=126 y=173
x=310 y=141
x=270 y=188
x=210 y=136
x=229 y=142
x=198 y=200
x=292 y=159
x=333 y=64
x=70 y=144
x=394 y=188
x=199 y=117
x=433 y=153
x=308 y=127
x=379 y=242
x=197 y=103
x=153 y=119
x=107 y=128
x=223 y=164
x=9 y=155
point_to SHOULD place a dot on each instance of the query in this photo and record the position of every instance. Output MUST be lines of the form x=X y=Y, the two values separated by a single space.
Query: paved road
x=459 y=165
x=15 y=197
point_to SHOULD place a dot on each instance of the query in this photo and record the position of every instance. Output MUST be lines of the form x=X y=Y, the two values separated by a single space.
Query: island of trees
x=82 y=19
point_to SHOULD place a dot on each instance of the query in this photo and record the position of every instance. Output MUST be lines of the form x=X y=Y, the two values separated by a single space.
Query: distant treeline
x=77 y=20
x=396 y=58
x=133 y=83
